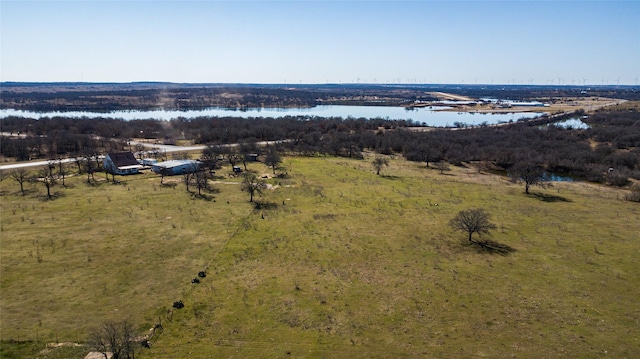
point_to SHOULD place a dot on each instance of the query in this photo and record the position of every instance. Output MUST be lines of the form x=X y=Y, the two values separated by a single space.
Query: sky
x=442 y=42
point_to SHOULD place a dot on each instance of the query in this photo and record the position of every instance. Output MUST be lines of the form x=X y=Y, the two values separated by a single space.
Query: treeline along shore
x=106 y=97
x=607 y=151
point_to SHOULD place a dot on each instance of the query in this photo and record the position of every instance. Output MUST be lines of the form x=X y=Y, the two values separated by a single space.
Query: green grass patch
x=337 y=262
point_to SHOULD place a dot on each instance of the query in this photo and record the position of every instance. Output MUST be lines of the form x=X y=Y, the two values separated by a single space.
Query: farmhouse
x=121 y=163
x=176 y=167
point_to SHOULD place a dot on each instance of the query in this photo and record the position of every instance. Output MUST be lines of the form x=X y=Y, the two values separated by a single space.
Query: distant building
x=176 y=167
x=121 y=163
x=148 y=161
x=251 y=157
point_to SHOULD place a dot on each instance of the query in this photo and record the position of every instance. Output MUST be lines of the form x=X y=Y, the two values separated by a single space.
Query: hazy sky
x=499 y=42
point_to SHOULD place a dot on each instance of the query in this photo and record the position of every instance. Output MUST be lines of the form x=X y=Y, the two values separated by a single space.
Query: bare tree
x=216 y=151
x=194 y=174
x=47 y=179
x=273 y=159
x=114 y=338
x=246 y=147
x=62 y=172
x=380 y=162
x=472 y=221
x=530 y=173
x=139 y=150
x=90 y=166
x=209 y=158
x=186 y=178
x=442 y=166
x=110 y=170
x=234 y=158
x=78 y=161
x=21 y=176
x=252 y=184
x=201 y=179
x=164 y=172
x=52 y=166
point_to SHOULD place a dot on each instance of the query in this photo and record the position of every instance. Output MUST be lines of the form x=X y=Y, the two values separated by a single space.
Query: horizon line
x=285 y=84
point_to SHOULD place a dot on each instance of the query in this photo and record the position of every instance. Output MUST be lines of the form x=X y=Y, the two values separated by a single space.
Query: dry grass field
x=338 y=262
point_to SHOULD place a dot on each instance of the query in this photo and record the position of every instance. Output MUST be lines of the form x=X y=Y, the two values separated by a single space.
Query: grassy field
x=338 y=263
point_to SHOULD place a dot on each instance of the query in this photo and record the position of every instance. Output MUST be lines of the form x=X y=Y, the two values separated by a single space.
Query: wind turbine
x=584 y=80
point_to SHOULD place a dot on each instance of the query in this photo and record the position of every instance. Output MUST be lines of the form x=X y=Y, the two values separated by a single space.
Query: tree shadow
x=264 y=205
x=492 y=247
x=202 y=196
x=169 y=185
x=54 y=195
x=391 y=177
x=548 y=197
x=213 y=190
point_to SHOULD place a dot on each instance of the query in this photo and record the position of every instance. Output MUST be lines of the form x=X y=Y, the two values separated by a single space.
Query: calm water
x=428 y=115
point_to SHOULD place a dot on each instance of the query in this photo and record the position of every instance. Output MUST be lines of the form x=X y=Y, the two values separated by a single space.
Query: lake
x=427 y=115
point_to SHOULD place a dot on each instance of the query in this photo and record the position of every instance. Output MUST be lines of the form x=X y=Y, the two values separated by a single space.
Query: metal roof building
x=176 y=167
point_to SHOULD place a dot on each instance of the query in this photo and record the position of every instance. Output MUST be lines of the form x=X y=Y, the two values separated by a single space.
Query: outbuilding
x=251 y=157
x=121 y=163
x=176 y=167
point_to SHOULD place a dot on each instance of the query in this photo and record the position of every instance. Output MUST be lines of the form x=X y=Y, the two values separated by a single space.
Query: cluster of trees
x=46 y=138
x=53 y=173
x=45 y=176
x=609 y=151
x=149 y=96
x=107 y=97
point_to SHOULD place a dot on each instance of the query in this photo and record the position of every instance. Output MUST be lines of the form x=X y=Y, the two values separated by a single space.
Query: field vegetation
x=332 y=260
x=606 y=152
x=350 y=237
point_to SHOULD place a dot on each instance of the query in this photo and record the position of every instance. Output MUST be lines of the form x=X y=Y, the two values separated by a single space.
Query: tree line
x=107 y=97
x=609 y=151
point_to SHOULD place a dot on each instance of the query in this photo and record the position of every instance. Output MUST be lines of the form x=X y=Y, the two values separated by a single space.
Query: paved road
x=168 y=148
x=32 y=164
x=163 y=148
